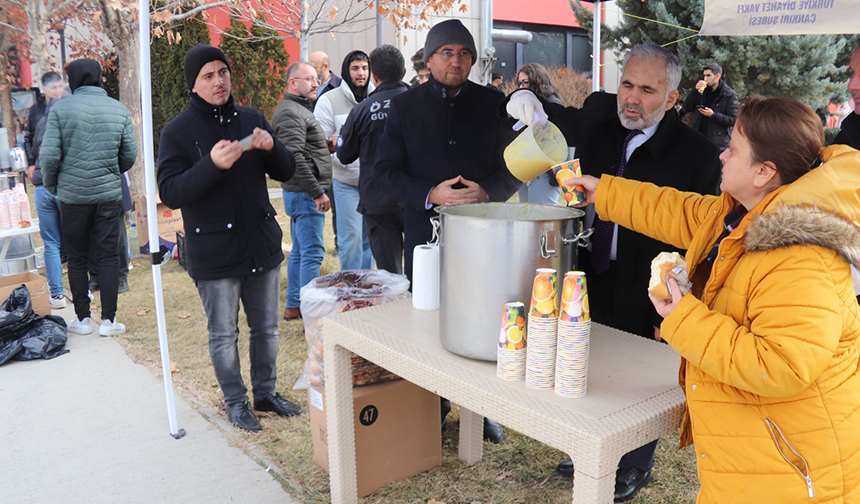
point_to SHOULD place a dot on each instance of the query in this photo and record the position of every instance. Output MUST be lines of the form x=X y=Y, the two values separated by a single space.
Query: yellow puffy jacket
x=770 y=351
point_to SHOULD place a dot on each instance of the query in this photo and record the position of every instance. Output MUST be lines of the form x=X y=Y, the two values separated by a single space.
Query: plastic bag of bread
x=665 y=266
x=340 y=292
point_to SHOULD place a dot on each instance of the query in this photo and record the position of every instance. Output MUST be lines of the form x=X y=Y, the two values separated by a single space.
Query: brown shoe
x=292 y=314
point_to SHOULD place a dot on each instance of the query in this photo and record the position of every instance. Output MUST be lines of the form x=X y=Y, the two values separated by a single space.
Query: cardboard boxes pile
x=40 y=296
x=397 y=432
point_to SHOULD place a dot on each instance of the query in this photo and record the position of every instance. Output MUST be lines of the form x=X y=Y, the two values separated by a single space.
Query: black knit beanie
x=197 y=57
x=451 y=31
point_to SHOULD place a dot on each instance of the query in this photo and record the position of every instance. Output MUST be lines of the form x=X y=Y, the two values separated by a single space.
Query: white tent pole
x=595 y=48
x=151 y=216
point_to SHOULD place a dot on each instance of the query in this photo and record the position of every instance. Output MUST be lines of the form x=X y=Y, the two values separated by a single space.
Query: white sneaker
x=108 y=328
x=58 y=301
x=84 y=326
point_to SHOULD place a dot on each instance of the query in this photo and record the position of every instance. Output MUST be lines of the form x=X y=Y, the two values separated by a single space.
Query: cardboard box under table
x=40 y=296
x=169 y=222
x=397 y=432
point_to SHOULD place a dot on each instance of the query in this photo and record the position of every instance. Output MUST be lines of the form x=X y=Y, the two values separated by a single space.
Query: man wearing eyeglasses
x=443 y=143
x=305 y=199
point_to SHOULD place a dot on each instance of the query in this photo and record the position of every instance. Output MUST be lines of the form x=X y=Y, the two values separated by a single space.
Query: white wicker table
x=6 y=236
x=633 y=395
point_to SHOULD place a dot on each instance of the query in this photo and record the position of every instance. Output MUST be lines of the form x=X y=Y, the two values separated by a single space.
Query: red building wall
x=545 y=12
x=222 y=21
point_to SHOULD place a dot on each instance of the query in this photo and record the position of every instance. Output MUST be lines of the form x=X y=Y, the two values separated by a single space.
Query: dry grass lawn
x=520 y=470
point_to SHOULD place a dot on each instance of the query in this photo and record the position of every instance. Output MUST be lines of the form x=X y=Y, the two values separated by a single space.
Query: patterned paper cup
x=513 y=333
x=574 y=298
x=564 y=172
x=545 y=294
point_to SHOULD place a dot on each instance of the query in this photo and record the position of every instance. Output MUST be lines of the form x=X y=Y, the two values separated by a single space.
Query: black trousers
x=601 y=298
x=80 y=223
x=121 y=253
x=386 y=240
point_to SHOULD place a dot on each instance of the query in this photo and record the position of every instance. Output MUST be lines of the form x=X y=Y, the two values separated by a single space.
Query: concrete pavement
x=91 y=427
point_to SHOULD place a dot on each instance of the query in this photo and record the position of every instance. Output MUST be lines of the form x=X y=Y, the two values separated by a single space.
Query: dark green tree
x=810 y=68
x=258 y=69
x=169 y=89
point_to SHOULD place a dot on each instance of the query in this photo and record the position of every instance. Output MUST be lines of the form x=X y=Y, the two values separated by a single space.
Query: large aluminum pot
x=488 y=256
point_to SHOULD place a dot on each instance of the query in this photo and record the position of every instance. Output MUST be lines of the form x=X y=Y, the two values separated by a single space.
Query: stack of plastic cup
x=14 y=208
x=542 y=330
x=511 y=363
x=574 y=330
x=564 y=172
x=5 y=221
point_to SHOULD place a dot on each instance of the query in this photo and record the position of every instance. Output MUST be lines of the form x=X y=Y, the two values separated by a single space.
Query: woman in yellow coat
x=769 y=342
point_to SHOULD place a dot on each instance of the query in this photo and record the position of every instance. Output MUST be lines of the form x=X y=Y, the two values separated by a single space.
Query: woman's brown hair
x=540 y=83
x=783 y=131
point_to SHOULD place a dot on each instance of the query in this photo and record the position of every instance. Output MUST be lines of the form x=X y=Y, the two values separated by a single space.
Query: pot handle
x=581 y=239
x=545 y=240
x=436 y=222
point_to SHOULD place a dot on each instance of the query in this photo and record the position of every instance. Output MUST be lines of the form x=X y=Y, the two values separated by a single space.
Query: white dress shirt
x=634 y=144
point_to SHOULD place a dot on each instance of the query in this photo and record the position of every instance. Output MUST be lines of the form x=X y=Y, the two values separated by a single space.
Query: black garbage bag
x=25 y=335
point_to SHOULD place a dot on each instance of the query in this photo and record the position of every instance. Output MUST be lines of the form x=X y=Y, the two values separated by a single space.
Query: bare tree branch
x=196 y=10
x=13 y=28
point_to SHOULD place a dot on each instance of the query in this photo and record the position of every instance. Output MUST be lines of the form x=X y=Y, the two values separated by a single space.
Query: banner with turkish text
x=781 y=17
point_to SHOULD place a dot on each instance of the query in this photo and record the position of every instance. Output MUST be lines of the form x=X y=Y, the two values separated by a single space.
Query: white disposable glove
x=525 y=107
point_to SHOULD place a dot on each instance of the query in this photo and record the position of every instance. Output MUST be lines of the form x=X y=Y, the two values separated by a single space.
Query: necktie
x=604 y=230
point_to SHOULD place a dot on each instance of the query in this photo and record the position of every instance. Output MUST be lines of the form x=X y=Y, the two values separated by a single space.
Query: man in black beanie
x=232 y=237
x=443 y=144
x=88 y=144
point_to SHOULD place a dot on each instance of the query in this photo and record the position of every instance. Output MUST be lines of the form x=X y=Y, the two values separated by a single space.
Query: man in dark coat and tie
x=636 y=134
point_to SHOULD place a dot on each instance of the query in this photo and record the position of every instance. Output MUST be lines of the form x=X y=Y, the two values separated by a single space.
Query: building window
x=550 y=46
x=546 y=48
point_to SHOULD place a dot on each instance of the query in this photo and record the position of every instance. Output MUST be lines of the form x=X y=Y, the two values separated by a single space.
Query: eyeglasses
x=523 y=84
x=423 y=77
x=446 y=55
x=309 y=80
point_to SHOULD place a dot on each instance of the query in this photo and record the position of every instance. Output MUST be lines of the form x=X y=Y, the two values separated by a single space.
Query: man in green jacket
x=88 y=144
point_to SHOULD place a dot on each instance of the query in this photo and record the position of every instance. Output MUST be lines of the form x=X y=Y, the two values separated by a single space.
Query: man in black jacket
x=52 y=87
x=638 y=135
x=850 y=134
x=358 y=139
x=443 y=144
x=232 y=238
x=716 y=106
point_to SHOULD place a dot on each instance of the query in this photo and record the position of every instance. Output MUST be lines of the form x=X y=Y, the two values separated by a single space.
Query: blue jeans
x=259 y=293
x=353 y=240
x=48 y=208
x=539 y=191
x=306 y=230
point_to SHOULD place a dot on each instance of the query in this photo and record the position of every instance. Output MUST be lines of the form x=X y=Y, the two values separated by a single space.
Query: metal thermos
x=18 y=156
x=488 y=256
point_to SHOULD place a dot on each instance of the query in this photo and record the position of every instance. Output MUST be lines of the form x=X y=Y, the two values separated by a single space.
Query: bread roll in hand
x=668 y=265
